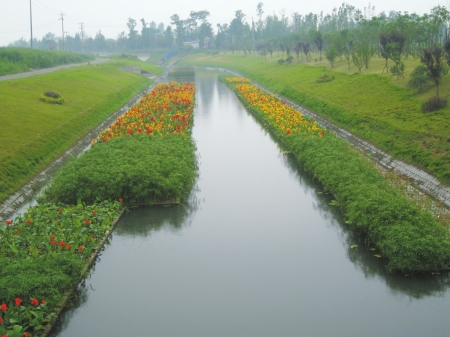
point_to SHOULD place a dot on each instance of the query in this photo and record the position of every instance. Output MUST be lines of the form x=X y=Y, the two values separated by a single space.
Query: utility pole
x=62 y=24
x=82 y=35
x=31 y=27
x=67 y=44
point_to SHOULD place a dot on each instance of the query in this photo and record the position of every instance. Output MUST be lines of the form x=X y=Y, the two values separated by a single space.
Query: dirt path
x=48 y=70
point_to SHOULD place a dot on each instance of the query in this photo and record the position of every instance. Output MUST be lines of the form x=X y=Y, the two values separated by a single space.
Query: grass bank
x=410 y=240
x=375 y=107
x=34 y=133
x=15 y=60
x=145 y=157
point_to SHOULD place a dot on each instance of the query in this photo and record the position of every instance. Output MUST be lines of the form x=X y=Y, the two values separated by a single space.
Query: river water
x=257 y=251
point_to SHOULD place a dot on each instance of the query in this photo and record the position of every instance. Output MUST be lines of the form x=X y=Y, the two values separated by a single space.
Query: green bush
x=141 y=169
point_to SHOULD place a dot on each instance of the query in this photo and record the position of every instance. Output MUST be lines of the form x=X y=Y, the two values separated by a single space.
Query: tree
x=433 y=59
x=419 y=78
x=298 y=50
x=319 y=44
x=392 y=45
x=132 y=33
x=331 y=55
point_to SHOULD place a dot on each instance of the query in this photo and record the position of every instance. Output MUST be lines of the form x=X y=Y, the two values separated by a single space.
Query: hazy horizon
x=111 y=16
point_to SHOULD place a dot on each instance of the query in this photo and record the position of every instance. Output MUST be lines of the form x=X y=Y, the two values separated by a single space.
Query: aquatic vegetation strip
x=410 y=239
x=43 y=253
x=145 y=157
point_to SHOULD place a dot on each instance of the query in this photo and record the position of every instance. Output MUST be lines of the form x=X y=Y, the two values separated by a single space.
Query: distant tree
x=306 y=49
x=433 y=59
x=392 y=45
x=132 y=33
x=319 y=44
x=419 y=78
x=330 y=55
x=298 y=50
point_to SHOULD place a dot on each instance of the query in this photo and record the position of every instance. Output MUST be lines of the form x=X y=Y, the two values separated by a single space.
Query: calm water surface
x=257 y=251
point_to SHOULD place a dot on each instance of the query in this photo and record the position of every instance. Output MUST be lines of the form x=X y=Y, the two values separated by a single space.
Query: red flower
x=18 y=232
x=61 y=243
x=25 y=334
x=8 y=222
x=80 y=249
x=53 y=242
x=52 y=237
x=59 y=210
x=94 y=212
x=120 y=199
x=91 y=236
x=1 y=320
x=4 y=335
x=68 y=246
x=3 y=307
x=28 y=221
x=288 y=131
x=86 y=221
x=35 y=302
x=18 y=301
x=43 y=301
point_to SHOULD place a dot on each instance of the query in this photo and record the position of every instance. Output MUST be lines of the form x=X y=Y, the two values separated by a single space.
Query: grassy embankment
x=34 y=133
x=376 y=107
x=411 y=240
x=18 y=60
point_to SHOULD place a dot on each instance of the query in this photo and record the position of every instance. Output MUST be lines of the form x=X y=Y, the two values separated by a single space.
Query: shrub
x=51 y=97
x=325 y=78
x=280 y=61
x=433 y=104
x=419 y=78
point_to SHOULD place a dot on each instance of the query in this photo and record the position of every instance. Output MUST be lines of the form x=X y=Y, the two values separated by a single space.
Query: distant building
x=193 y=44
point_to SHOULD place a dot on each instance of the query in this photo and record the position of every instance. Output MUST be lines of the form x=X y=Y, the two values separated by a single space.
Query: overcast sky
x=111 y=16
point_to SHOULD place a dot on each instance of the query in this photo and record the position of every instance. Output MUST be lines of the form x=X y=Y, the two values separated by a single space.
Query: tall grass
x=17 y=60
x=141 y=169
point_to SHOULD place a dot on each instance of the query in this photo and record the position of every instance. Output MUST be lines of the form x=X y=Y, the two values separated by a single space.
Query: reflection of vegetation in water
x=78 y=300
x=362 y=256
x=143 y=220
x=181 y=72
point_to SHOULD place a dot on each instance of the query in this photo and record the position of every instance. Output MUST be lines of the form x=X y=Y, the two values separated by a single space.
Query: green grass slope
x=33 y=133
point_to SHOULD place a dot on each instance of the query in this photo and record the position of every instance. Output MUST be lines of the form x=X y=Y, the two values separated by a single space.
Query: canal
x=257 y=251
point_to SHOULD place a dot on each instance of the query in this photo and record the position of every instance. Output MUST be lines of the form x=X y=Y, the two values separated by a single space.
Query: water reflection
x=143 y=221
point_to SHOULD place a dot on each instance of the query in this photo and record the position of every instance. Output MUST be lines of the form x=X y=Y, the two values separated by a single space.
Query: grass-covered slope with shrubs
x=374 y=107
x=15 y=60
x=410 y=240
x=147 y=156
x=33 y=133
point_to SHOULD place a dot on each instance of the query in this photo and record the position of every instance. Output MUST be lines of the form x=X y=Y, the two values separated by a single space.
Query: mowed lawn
x=377 y=107
x=33 y=133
